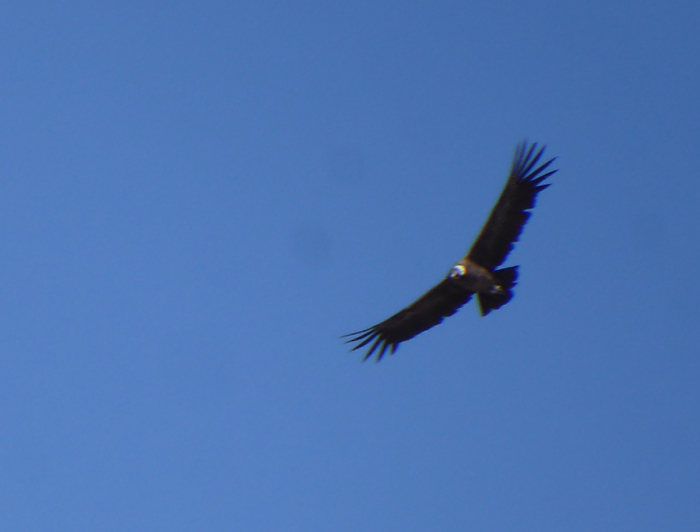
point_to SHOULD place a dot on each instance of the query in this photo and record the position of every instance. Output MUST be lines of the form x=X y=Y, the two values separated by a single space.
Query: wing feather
x=511 y=212
x=441 y=301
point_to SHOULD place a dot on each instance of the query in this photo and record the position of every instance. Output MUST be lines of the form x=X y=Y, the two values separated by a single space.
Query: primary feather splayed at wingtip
x=523 y=165
x=368 y=335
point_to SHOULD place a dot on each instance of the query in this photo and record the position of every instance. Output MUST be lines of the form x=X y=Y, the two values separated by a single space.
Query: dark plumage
x=476 y=273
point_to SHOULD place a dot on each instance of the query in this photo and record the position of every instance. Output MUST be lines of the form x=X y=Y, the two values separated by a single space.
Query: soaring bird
x=477 y=272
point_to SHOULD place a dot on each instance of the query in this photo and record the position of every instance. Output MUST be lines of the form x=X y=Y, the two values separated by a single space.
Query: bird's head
x=457 y=271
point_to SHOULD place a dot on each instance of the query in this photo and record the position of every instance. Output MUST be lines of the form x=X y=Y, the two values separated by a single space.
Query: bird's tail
x=506 y=279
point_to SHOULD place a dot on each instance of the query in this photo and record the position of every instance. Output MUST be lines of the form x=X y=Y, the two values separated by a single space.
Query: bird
x=478 y=272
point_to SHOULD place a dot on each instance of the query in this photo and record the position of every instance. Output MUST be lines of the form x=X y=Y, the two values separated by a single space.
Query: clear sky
x=198 y=198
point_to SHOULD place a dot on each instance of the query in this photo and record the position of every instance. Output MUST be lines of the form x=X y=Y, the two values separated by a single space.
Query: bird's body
x=477 y=272
x=469 y=275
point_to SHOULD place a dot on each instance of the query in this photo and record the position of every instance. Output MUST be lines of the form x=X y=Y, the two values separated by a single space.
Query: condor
x=477 y=273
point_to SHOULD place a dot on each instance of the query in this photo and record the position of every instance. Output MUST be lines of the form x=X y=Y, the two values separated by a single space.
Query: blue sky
x=198 y=199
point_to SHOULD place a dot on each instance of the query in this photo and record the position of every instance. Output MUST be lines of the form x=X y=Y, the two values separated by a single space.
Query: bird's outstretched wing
x=512 y=210
x=441 y=301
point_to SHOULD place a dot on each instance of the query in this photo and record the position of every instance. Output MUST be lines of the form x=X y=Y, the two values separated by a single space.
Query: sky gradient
x=199 y=198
